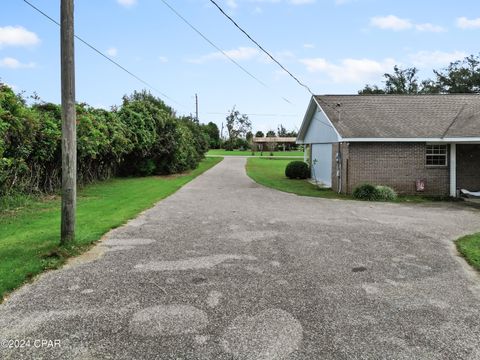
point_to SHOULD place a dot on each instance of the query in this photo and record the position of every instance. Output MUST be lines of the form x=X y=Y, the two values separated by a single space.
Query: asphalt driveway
x=228 y=269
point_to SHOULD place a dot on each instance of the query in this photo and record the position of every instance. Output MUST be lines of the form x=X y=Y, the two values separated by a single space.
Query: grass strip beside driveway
x=30 y=236
x=271 y=173
x=469 y=247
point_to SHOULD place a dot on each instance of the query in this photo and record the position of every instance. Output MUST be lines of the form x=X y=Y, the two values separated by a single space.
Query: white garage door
x=322 y=163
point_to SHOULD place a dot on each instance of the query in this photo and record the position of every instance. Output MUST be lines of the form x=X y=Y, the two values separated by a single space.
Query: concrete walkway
x=228 y=269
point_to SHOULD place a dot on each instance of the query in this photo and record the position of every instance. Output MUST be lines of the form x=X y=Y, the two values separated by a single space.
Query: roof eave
x=415 y=139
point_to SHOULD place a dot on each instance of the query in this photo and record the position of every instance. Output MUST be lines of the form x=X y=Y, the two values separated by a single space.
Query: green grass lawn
x=221 y=152
x=29 y=235
x=469 y=247
x=271 y=173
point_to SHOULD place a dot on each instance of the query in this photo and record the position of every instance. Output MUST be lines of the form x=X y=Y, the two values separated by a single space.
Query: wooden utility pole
x=69 y=126
x=196 y=107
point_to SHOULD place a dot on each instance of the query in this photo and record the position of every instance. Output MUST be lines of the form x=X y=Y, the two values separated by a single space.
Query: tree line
x=141 y=137
x=461 y=76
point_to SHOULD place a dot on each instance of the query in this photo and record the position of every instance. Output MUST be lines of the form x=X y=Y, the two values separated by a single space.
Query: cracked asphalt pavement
x=228 y=269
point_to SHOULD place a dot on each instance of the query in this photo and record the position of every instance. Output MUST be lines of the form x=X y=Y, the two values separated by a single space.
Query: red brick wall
x=468 y=167
x=397 y=165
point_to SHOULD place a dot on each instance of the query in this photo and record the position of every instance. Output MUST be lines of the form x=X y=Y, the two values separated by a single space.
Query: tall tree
x=462 y=76
x=402 y=81
x=211 y=129
x=291 y=133
x=281 y=131
x=371 y=90
x=237 y=124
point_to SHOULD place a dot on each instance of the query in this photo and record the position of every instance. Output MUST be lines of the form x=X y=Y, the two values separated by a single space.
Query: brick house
x=427 y=144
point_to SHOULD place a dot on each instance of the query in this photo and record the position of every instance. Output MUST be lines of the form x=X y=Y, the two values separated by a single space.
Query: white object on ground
x=471 y=193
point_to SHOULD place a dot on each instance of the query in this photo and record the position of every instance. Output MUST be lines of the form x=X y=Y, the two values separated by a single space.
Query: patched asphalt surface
x=228 y=269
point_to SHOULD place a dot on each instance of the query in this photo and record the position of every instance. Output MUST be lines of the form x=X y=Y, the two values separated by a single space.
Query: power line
x=253 y=114
x=268 y=115
x=268 y=54
x=217 y=48
x=105 y=56
x=261 y=48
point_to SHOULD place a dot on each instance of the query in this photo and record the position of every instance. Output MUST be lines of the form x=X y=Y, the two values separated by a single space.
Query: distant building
x=273 y=142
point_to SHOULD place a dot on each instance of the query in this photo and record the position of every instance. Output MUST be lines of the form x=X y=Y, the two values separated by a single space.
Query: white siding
x=320 y=131
x=322 y=163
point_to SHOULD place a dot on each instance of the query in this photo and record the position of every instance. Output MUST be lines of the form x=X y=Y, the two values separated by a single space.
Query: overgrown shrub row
x=141 y=137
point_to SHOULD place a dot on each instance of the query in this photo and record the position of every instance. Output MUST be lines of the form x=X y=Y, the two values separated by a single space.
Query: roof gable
x=402 y=116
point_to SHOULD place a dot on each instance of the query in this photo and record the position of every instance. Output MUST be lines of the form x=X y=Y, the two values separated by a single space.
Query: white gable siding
x=320 y=131
x=321 y=169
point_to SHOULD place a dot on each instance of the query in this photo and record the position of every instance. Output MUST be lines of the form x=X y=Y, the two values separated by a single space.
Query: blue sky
x=334 y=46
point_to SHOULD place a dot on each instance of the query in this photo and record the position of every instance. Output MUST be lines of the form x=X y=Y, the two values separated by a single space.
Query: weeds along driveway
x=226 y=268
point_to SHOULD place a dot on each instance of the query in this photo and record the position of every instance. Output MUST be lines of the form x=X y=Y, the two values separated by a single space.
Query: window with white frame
x=436 y=155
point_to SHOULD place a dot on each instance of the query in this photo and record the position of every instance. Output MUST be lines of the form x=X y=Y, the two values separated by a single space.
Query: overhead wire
x=252 y=114
x=261 y=47
x=224 y=53
x=106 y=57
x=302 y=84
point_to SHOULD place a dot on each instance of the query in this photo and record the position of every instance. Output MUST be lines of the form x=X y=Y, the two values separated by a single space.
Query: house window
x=436 y=155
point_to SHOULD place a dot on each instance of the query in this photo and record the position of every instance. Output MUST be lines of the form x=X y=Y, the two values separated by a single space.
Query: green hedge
x=374 y=193
x=141 y=137
x=297 y=170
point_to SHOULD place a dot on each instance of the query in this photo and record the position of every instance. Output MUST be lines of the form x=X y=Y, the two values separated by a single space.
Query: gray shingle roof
x=403 y=116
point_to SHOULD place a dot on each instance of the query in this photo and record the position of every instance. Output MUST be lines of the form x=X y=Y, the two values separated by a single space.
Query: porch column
x=453 y=170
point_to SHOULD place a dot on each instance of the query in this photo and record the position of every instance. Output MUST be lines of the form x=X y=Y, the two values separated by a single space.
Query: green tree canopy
x=460 y=77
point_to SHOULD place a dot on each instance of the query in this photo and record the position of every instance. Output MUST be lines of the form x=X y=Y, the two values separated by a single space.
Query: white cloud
x=431 y=59
x=12 y=63
x=429 y=27
x=257 y=10
x=392 y=22
x=163 y=59
x=342 y=2
x=127 y=3
x=17 y=36
x=232 y=4
x=350 y=70
x=309 y=46
x=241 y=53
x=281 y=56
x=301 y=2
x=465 y=23
x=112 y=52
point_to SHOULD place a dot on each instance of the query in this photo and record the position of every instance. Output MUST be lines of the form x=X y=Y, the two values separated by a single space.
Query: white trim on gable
x=314 y=107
